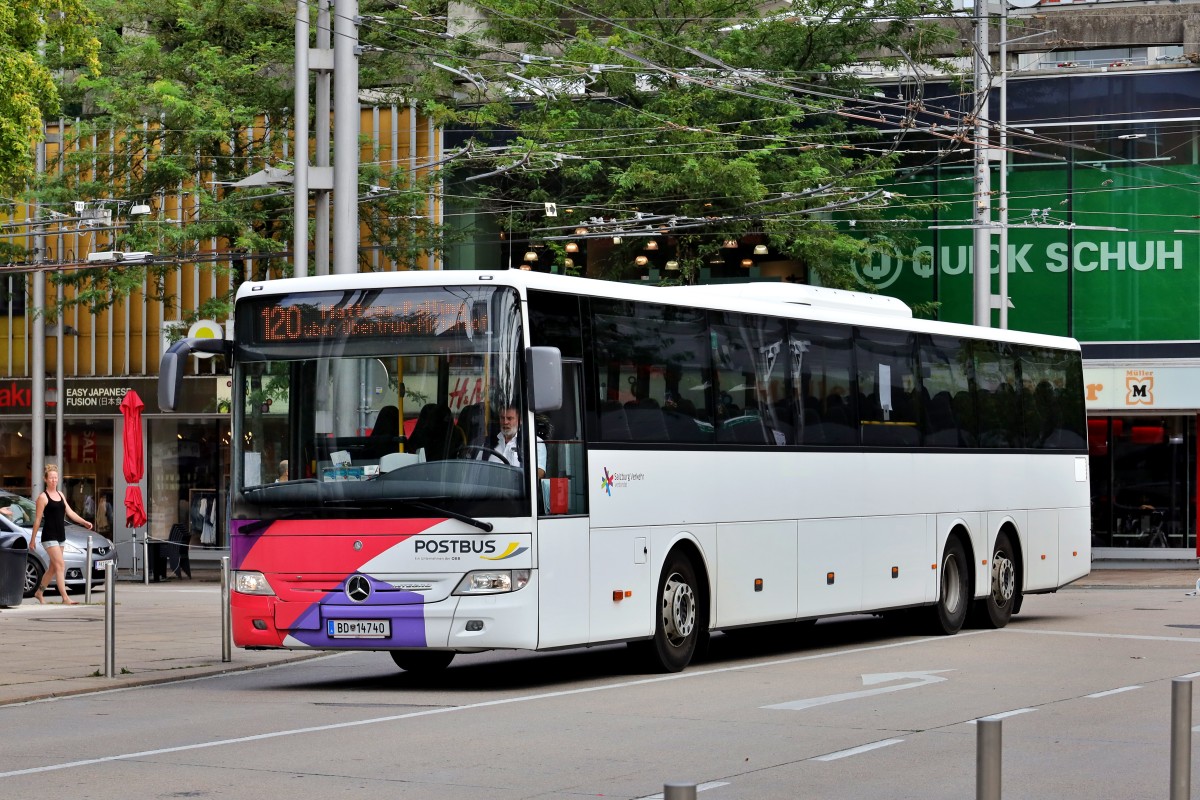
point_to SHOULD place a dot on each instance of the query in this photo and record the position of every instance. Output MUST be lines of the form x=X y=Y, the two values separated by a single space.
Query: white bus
x=685 y=460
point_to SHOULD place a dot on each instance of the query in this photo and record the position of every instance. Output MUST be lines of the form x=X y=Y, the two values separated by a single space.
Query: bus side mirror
x=544 y=368
x=174 y=363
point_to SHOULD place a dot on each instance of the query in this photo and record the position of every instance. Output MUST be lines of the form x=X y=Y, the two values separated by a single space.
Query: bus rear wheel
x=1004 y=594
x=950 y=612
x=422 y=662
x=678 y=626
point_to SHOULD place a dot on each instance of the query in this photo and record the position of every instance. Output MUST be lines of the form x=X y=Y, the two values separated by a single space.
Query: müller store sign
x=1142 y=388
x=102 y=396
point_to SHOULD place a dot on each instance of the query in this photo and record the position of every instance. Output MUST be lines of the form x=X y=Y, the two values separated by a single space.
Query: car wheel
x=33 y=575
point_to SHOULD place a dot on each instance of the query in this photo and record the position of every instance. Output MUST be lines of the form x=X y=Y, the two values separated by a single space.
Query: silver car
x=16 y=517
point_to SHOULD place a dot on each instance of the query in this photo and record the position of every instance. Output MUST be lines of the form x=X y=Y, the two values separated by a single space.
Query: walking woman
x=53 y=508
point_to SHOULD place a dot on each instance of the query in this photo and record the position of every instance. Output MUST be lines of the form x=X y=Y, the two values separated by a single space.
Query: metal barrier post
x=988 y=741
x=679 y=791
x=1181 y=739
x=145 y=557
x=226 y=617
x=110 y=619
x=87 y=573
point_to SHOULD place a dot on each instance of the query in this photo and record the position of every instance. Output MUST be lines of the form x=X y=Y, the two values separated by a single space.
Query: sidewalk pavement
x=162 y=632
x=171 y=631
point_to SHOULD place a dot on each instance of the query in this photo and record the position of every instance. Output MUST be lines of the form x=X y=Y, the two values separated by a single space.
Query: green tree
x=196 y=95
x=701 y=120
x=36 y=37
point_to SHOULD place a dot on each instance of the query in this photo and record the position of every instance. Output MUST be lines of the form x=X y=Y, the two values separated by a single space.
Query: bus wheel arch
x=1002 y=596
x=681 y=616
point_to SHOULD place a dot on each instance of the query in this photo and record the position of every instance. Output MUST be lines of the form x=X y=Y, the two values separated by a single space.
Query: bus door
x=563 y=521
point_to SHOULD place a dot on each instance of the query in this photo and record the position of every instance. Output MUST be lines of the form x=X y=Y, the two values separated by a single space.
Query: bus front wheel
x=422 y=662
x=950 y=612
x=1004 y=594
x=678 y=625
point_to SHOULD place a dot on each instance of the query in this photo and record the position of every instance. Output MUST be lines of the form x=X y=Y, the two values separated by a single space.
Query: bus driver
x=508 y=441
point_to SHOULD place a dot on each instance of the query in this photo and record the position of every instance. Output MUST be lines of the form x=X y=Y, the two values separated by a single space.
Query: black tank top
x=54 y=517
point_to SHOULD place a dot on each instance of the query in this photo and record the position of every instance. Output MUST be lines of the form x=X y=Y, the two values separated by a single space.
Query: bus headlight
x=493 y=581
x=251 y=583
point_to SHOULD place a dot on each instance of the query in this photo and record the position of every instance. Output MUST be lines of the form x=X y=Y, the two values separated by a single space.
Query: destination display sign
x=390 y=315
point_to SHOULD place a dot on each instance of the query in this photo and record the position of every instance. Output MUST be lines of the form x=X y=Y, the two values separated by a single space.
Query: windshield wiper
x=486 y=527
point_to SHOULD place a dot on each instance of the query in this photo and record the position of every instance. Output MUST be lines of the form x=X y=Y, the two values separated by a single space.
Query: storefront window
x=1143 y=484
x=188 y=473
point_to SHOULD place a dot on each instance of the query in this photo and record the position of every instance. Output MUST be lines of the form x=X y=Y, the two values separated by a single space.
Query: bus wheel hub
x=1004 y=578
x=679 y=610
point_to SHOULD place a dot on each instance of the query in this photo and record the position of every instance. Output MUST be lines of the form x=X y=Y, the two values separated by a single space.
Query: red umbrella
x=133 y=465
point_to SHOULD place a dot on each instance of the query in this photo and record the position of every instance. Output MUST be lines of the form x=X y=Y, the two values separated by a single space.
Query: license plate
x=359 y=628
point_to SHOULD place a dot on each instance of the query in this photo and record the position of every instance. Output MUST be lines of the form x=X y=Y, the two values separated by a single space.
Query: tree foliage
x=194 y=96
x=707 y=119
x=36 y=38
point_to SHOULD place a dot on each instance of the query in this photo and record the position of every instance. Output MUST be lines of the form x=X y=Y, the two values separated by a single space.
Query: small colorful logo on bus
x=514 y=549
x=606 y=483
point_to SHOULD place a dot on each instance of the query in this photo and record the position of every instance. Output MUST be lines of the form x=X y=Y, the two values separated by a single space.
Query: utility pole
x=300 y=145
x=323 y=121
x=982 y=216
x=37 y=394
x=318 y=178
x=345 y=137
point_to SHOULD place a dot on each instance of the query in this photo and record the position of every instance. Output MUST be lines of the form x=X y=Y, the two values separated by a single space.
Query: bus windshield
x=382 y=401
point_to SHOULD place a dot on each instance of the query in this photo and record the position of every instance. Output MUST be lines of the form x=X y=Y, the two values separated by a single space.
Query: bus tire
x=1004 y=593
x=954 y=592
x=422 y=662
x=678 y=626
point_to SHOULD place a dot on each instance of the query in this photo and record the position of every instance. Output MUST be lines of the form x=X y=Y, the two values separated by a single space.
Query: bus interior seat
x=614 y=427
x=646 y=423
x=387 y=422
x=470 y=421
x=746 y=431
x=436 y=433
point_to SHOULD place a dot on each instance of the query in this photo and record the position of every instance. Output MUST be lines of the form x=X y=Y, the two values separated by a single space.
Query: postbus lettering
x=454 y=546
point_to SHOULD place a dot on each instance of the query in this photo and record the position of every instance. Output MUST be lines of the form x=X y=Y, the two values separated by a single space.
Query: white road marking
x=853 y=751
x=700 y=788
x=1003 y=714
x=1191 y=675
x=1184 y=639
x=1114 y=691
x=472 y=706
x=919 y=679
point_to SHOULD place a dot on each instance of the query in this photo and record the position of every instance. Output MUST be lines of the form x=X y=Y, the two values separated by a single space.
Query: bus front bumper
x=463 y=623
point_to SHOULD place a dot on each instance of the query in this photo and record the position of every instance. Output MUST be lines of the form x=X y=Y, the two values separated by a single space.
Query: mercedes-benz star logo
x=358 y=588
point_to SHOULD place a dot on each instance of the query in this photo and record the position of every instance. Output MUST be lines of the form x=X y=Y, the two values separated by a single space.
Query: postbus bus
x=685 y=460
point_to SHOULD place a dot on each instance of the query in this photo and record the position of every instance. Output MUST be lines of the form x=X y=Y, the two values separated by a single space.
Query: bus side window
x=820 y=375
x=652 y=362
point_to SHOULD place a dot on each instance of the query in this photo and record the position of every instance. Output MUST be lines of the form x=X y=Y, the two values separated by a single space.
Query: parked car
x=16 y=517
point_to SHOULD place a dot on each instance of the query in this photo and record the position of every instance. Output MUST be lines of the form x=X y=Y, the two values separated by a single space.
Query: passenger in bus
x=508 y=442
x=283 y=471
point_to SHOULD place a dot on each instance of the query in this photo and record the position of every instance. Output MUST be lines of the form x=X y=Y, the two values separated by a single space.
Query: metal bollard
x=679 y=791
x=145 y=557
x=110 y=619
x=1181 y=739
x=87 y=574
x=226 y=617
x=988 y=746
